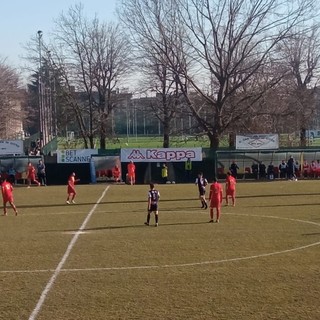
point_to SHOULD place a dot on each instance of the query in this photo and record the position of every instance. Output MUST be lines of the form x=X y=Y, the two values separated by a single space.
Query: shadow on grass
x=93 y=203
x=282 y=205
x=129 y=226
x=276 y=195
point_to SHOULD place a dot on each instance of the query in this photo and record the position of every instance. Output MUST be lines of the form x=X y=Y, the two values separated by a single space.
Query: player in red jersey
x=215 y=197
x=230 y=189
x=71 y=190
x=131 y=172
x=31 y=175
x=116 y=173
x=306 y=169
x=7 y=196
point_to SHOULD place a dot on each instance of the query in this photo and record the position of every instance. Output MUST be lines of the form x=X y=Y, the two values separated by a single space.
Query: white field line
x=73 y=241
x=262 y=255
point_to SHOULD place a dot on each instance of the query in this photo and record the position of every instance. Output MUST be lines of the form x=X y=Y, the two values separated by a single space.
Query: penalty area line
x=73 y=241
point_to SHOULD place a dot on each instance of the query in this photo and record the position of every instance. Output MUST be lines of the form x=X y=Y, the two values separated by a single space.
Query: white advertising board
x=257 y=142
x=75 y=155
x=11 y=147
x=161 y=154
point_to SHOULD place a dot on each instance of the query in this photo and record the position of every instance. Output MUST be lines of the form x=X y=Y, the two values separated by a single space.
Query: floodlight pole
x=40 y=94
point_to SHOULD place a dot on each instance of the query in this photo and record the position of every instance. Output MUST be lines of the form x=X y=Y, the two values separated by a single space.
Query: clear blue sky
x=21 y=19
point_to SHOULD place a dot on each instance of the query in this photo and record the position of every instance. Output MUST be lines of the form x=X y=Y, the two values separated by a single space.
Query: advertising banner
x=257 y=142
x=161 y=154
x=11 y=147
x=75 y=155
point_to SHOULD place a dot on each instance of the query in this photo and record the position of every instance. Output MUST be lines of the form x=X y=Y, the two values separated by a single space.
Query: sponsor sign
x=161 y=154
x=257 y=142
x=11 y=147
x=75 y=155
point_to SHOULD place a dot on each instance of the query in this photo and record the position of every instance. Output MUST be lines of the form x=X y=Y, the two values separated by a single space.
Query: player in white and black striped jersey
x=153 y=200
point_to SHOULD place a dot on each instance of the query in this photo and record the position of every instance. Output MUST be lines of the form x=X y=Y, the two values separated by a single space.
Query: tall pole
x=40 y=95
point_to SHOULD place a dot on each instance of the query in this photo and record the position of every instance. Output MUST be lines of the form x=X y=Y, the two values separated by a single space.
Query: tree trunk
x=102 y=142
x=303 y=137
x=91 y=142
x=214 y=139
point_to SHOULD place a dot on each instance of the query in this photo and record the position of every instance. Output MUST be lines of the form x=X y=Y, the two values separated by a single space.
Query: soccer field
x=97 y=260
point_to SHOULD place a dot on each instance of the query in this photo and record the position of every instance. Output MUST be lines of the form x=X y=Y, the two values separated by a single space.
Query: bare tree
x=12 y=102
x=154 y=26
x=94 y=57
x=300 y=54
x=229 y=43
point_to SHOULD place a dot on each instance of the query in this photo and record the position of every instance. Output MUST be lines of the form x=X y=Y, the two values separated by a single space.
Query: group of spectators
x=311 y=170
x=289 y=169
x=34 y=174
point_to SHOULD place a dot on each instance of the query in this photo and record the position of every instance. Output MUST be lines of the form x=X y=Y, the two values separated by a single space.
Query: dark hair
x=151 y=185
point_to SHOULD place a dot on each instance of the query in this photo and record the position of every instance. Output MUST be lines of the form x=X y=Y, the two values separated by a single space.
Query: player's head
x=151 y=186
x=200 y=174
x=228 y=173
x=73 y=174
x=215 y=179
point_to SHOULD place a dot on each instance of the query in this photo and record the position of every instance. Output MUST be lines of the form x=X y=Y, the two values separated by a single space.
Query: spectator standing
x=283 y=169
x=41 y=172
x=12 y=175
x=255 y=170
x=188 y=169
x=313 y=169
x=164 y=173
x=291 y=169
x=262 y=170
x=306 y=169
x=131 y=168
x=234 y=169
x=270 y=171
x=116 y=173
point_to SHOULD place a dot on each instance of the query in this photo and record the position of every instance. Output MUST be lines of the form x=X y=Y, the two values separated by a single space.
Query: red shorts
x=231 y=193
x=215 y=204
x=32 y=177
x=71 y=190
x=7 y=199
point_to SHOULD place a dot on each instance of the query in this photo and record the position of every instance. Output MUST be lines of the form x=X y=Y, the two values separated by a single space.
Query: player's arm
x=149 y=203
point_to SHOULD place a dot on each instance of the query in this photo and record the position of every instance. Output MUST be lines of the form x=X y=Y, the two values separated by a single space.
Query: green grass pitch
x=260 y=262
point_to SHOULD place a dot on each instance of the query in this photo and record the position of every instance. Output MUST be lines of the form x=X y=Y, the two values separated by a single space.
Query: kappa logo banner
x=257 y=142
x=161 y=154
